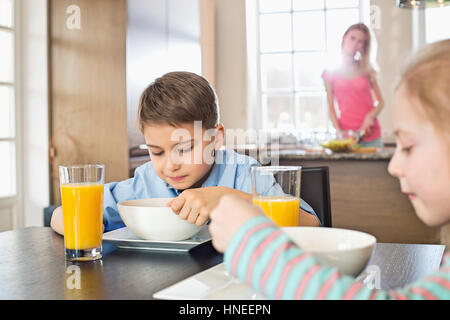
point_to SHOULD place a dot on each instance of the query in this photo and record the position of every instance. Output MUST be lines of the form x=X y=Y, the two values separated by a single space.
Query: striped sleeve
x=261 y=255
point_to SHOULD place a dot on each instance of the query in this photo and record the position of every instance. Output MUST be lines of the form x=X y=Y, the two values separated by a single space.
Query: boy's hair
x=427 y=79
x=176 y=98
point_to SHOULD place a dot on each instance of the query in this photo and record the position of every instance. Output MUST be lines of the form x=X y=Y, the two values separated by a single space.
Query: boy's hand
x=195 y=205
x=57 y=221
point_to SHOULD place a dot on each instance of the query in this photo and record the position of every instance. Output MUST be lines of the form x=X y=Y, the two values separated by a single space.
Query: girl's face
x=354 y=41
x=421 y=161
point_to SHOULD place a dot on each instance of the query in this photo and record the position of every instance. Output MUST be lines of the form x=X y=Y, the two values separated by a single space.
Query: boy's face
x=182 y=155
x=421 y=161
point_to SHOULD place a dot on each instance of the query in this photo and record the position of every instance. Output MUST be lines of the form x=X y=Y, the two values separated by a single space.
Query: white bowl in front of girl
x=151 y=219
x=348 y=250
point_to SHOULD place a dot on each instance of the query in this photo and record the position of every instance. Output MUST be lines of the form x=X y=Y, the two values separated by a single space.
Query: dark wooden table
x=32 y=266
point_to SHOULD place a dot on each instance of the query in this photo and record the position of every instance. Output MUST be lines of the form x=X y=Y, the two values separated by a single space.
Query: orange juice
x=82 y=205
x=283 y=210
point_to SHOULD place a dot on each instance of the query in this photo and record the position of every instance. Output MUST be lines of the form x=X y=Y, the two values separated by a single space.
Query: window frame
x=419 y=28
x=13 y=201
x=423 y=40
x=255 y=91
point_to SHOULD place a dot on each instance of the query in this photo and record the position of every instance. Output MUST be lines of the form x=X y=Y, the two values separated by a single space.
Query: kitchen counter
x=295 y=152
x=364 y=196
x=384 y=154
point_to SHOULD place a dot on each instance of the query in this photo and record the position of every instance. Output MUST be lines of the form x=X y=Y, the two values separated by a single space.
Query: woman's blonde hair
x=364 y=62
x=427 y=79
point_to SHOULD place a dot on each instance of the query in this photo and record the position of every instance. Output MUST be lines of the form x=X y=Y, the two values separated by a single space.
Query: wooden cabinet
x=88 y=88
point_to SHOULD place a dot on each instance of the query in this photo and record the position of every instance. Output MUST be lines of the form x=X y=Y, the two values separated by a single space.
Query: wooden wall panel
x=88 y=88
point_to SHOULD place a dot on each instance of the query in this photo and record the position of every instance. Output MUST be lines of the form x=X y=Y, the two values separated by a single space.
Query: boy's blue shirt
x=230 y=170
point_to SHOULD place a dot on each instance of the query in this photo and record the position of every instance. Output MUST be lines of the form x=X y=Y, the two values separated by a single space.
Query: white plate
x=125 y=239
x=212 y=284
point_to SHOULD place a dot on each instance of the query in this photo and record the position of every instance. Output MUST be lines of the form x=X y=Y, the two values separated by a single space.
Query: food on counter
x=344 y=145
x=348 y=145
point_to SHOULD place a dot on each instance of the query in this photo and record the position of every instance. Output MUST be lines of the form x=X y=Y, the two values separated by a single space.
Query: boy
x=179 y=117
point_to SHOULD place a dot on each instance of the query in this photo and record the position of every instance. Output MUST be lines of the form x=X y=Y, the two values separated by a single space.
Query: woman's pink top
x=354 y=98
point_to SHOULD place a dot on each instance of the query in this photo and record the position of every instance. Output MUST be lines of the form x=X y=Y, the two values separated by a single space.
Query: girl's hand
x=229 y=215
x=368 y=123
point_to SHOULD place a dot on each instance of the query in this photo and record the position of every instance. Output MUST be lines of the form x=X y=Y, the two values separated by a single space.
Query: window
x=290 y=43
x=437 y=24
x=7 y=101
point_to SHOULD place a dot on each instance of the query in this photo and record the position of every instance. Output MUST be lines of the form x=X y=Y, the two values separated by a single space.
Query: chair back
x=48 y=212
x=315 y=190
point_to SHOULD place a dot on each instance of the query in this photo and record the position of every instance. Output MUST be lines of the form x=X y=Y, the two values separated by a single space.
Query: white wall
x=395 y=43
x=33 y=112
x=231 y=65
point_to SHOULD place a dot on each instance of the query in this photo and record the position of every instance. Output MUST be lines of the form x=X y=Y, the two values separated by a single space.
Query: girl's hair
x=427 y=80
x=364 y=62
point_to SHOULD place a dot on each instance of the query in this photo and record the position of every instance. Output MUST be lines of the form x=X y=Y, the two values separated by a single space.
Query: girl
x=421 y=163
x=353 y=86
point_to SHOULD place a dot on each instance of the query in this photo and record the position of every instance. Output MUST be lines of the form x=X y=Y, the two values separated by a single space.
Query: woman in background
x=354 y=87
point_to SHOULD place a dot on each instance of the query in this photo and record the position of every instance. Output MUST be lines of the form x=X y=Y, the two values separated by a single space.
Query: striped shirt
x=261 y=255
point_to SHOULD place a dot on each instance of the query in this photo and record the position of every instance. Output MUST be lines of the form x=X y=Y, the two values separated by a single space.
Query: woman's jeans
x=377 y=143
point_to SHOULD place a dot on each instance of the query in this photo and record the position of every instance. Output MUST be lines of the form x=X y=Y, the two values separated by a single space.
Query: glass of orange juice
x=276 y=189
x=82 y=206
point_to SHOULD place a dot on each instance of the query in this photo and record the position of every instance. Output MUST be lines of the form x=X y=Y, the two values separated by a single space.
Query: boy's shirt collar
x=211 y=181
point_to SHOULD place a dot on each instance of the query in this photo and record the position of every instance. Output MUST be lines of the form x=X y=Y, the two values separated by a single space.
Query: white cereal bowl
x=348 y=250
x=151 y=219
